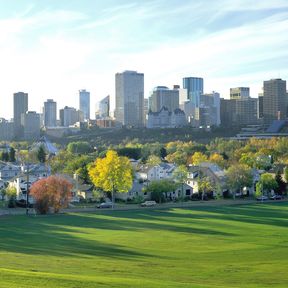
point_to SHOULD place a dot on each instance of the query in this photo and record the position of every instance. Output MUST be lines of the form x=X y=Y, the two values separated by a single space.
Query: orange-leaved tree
x=51 y=192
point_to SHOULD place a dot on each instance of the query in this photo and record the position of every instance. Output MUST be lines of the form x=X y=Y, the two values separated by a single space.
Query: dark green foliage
x=281 y=188
x=41 y=154
x=12 y=155
x=5 y=156
x=159 y=188
x=163 y=152
x=130 y=152
x=80 y=147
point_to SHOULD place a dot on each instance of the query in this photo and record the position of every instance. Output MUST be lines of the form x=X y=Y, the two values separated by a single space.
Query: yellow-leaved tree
x=112 y=173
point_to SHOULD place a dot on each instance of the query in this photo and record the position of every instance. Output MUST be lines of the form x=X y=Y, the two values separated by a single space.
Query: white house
x=157 y=172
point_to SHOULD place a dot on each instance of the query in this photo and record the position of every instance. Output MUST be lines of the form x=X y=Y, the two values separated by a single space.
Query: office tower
x=129 y=98
x=238 y=112
x=31 y=124
x=103 y=109
x=164 y=97
x=260 y=106
x=50 y=113
x=68 y=116
x=84 y=103
x=20 y=107
x=194 y=86
x=274 y=100
x=211 y=102
x=6 y=130
x=227 y=112
x=239 y=93
x=246 y=111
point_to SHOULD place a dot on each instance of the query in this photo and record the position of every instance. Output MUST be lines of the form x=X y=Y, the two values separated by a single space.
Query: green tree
x=281 y=188
x=268 y=182
x=238 y=177
x=204 y=186
x=2 y=193
x=153 y=160
x=180 y=175
x=5 y=156
x=259 y=189
x=158 y=188
x=112 y=173
x=12 y=153
x=80 y=147
x=41 y=154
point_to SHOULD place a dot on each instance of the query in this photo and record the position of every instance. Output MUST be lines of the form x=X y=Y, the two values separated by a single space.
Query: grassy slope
x=240 y=246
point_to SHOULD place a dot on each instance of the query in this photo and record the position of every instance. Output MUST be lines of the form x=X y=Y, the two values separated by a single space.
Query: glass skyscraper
x=84 y=103
x=194 y=86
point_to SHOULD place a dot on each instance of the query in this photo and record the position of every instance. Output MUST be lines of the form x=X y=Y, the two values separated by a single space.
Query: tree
x=80 y=147
x=259 y=189
x=158 y=188
x=238 y=177
x=11 y=193
x=5 y=156
x=198 y=158
x=268 y=182
x=112 y=173
x=41 y=154
x=12 y=155
x=204 y=186
x=217 y=159
x=281 y=188
x=180 y=175
x=2 y=193
x=163 y=152
x=153 y=160
x=51 y=192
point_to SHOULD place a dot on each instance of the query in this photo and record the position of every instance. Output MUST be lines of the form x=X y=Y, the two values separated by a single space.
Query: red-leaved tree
x=51 y=192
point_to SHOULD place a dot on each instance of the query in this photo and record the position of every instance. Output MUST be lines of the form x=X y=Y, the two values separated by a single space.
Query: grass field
x=231 y=246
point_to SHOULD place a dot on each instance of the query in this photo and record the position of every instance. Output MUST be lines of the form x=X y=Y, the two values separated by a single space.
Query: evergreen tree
x=12 y=153
x=41 y=154
x=281 y=184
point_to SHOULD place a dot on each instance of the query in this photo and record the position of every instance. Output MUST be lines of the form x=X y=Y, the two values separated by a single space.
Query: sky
x=51 y=49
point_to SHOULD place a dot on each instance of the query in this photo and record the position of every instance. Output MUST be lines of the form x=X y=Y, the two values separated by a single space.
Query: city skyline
x=51 y=50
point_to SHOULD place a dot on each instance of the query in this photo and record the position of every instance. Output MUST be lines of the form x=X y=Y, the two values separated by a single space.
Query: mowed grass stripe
x=233 y=246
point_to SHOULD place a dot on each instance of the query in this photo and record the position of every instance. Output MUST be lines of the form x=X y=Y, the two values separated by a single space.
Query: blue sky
x=51 y=49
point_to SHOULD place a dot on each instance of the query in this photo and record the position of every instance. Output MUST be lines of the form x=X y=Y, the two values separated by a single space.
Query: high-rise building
x=50 y=113
x=31 y=123
x=211 y=102
x=103 y=109
x=129 y=98
x=68 y=116
x=274 y=100
x=6 y=130
x=84 y=103
x=260 y=106
x=194 y=86
x=240 y=93
x=20 y=107
x=164 y=97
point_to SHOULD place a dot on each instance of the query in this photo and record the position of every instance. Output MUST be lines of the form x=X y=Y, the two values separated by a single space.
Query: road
x=125 y=207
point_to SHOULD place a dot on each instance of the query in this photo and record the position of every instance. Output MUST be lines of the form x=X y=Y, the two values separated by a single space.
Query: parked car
x=148 y=204
x=105 y=205
x=262 y=198
x=276 y=197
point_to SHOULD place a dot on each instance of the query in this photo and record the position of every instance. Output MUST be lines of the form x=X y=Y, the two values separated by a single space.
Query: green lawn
x=231 y=246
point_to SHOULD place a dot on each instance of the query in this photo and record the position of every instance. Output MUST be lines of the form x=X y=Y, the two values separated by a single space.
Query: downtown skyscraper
x=20 y=107
x=129 y=94
x=195 y=87
x=274 y=100
x=84 y=103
